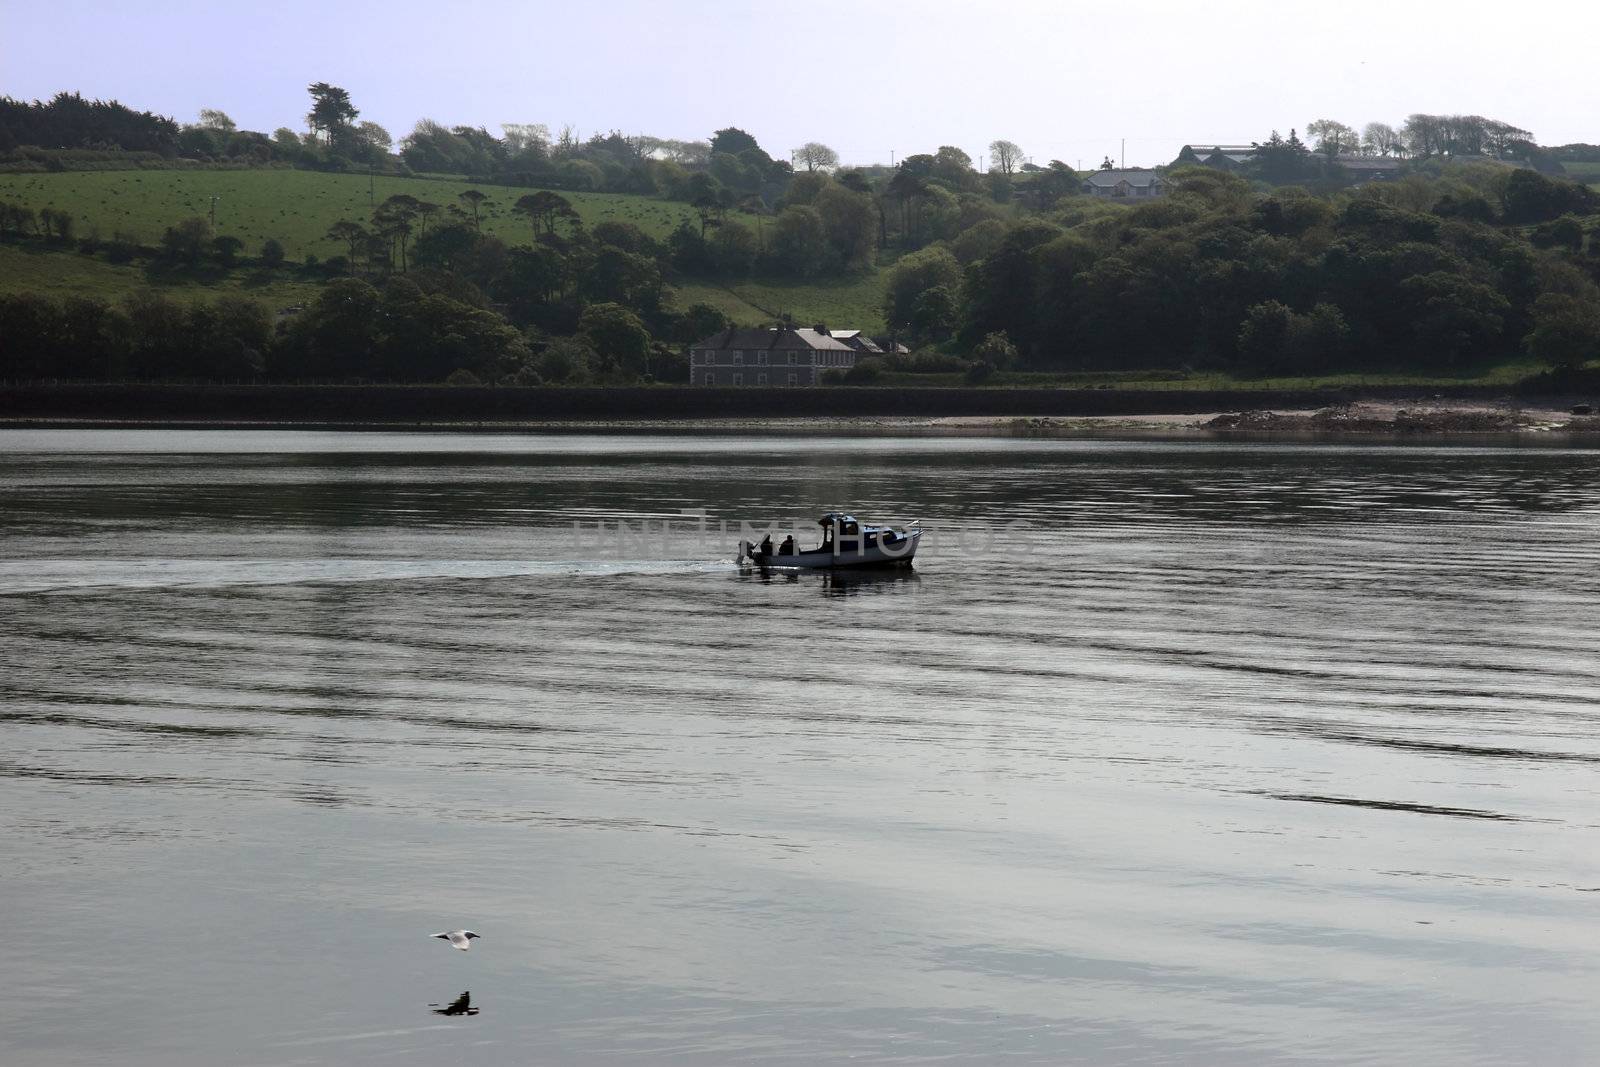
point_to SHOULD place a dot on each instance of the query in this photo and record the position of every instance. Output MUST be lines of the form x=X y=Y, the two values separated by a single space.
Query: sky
x=875 y=80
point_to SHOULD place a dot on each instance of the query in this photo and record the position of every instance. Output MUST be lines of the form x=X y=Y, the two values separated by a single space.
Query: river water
x=1186 y=753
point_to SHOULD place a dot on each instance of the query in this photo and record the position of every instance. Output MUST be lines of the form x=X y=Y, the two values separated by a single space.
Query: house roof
x=743 y=338
x=822 y=341
x=1105 y=179
x=1367 y=162
x=857 y=340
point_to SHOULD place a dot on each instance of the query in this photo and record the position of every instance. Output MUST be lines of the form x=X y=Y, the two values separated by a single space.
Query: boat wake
x=34 y=577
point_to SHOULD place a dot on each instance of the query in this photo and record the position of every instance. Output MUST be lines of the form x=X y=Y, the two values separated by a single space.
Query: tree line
x=1440 y=274
x=423 y=327
x=1455 y=264
x=67 y=120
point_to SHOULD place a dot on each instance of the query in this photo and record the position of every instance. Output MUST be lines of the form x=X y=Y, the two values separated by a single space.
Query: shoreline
x=1545 y=424
x=1460 y=414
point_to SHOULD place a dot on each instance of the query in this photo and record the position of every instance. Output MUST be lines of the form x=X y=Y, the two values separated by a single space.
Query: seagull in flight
x=461 y=939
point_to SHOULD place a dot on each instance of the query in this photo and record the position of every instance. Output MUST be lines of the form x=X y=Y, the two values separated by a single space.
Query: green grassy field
x=849 y=303
x=1588 y=173
x=294 y=206
x=61 y=274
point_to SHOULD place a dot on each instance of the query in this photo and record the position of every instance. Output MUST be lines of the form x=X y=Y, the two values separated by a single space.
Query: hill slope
x=33 y=268
x=847 y=303
x=294 y=206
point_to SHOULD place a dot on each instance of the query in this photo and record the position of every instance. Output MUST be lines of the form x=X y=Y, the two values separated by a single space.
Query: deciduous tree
x=543 y=209
x=1381 y=139
x=1332 y=137
x=1566 y=330
x=617 y=335
x=474 y=201
x=352 y=234
x=815 y=155
x=1006 y=155
x=800 y=242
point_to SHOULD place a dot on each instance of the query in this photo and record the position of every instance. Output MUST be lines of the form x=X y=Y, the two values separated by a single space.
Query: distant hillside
x=59 y=273
x=294 y=206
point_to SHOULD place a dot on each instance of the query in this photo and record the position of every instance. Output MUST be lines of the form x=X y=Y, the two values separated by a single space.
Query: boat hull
x=899 y=553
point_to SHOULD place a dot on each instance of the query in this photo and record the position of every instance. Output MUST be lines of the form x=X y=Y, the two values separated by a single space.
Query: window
x=761 y=358
x=711 y=379
x=794 y=379
x=761 y=379
x=738 y=357
x=791 y=359
x=738 y=379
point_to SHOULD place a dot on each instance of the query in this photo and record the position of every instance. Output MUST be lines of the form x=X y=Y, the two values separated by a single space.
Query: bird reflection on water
x=462 y=1005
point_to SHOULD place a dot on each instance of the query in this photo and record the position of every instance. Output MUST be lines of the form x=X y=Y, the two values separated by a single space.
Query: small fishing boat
x=846 y=542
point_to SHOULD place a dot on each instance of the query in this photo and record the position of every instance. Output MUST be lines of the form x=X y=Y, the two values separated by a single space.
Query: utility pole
x=372 y=194
x=1124 y=153
x=214 y=200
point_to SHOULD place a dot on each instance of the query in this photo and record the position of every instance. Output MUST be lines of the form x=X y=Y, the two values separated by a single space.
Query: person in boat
x=766 y=545
x=787 y=548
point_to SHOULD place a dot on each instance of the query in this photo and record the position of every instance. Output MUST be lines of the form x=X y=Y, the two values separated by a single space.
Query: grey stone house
x=1130 y=183
x=775 y=356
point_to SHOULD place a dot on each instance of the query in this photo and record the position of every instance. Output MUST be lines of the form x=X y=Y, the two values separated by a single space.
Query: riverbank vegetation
x=554 y=259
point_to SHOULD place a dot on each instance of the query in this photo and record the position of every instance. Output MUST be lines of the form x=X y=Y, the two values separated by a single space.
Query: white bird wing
x=460 y=940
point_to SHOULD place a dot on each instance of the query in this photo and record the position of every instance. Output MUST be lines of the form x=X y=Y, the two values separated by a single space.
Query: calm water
x=1249 y=755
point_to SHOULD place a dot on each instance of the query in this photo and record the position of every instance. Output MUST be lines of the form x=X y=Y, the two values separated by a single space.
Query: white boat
x=846 y=542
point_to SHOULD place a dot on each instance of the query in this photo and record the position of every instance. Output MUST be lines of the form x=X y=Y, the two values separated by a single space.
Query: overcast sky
x=1064 y=79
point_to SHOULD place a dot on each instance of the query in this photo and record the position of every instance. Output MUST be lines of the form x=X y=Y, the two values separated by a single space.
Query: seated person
x=787 y=548
x=766 y=545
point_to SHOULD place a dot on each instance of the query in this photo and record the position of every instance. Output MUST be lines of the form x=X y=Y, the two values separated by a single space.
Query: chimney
x=820 y=328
